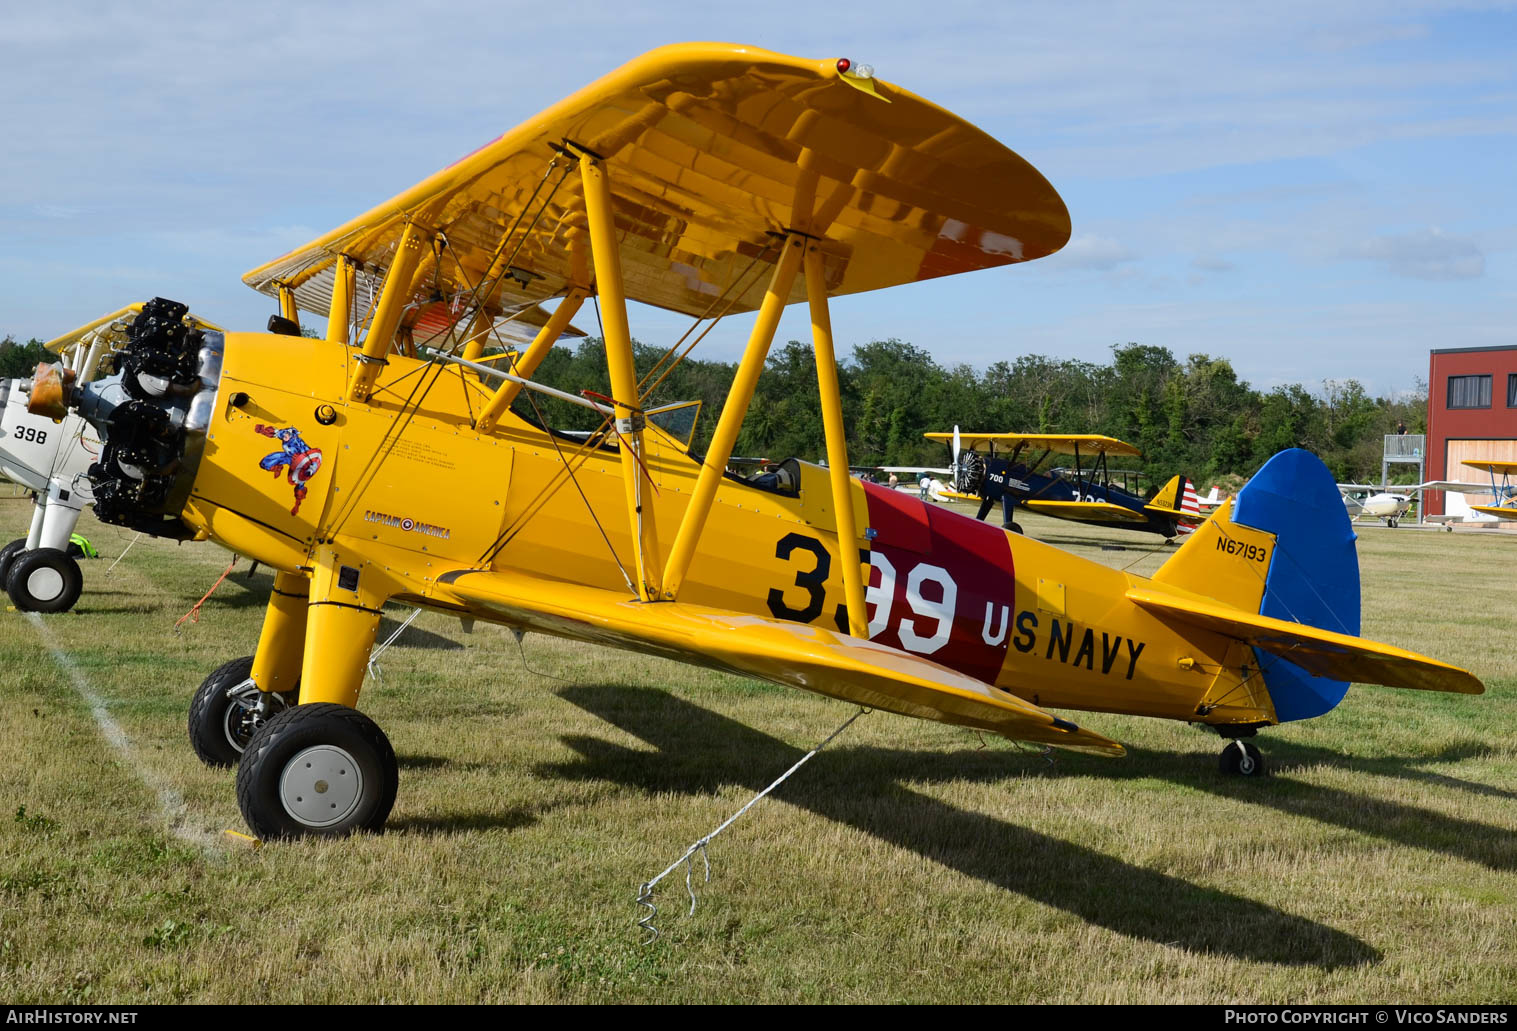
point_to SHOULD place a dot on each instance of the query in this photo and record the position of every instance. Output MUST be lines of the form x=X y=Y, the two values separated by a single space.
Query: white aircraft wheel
x=1242 y=758
x=228 y=709
x=317 y=770
x=45 y=580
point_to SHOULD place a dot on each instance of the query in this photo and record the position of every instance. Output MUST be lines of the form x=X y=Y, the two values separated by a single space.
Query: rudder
x=1282 y=548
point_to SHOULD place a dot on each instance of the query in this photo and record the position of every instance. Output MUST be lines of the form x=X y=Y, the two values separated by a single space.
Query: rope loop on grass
x=645 y=893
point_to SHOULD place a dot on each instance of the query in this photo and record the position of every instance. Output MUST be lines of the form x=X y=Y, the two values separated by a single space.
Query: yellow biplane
x=705 y=179
x=1503 y=494
x=1011 y=468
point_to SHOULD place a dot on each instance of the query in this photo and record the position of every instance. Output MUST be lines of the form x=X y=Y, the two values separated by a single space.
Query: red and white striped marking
x=1190 y=504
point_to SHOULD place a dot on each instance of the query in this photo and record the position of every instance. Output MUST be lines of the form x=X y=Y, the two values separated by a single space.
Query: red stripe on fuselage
x=940 y=584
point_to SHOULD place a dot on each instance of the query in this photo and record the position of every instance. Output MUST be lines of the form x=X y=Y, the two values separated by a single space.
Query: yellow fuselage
x=402 y=490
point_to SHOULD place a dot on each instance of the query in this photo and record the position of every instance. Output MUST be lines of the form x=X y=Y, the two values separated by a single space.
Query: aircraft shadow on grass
x=861 y=788
x=1413 y=826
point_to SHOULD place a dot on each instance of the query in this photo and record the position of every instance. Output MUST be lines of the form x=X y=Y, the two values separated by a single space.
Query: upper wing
x=792 y=654
x=710 y=149
x=434 y=321
x=112 y=328
x=1496 y=468
x=1059 y=443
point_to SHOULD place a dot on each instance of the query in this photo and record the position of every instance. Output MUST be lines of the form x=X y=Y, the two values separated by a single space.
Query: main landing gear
x=228 y=709
x=318 y=769
x=41 y=580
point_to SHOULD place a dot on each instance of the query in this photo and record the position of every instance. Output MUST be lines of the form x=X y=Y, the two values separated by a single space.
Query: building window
x=1511 y=390
x=1469 y=391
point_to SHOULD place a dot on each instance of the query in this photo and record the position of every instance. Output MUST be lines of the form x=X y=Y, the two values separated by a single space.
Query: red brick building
x=1471 y=413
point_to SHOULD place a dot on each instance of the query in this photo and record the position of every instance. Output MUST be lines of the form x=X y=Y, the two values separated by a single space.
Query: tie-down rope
x=645 y=893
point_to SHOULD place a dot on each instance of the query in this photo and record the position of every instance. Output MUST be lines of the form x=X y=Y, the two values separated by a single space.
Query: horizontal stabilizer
x=1320 y=652
x=781 y=652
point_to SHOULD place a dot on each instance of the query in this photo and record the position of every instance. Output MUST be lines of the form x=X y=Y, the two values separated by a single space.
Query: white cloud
x=1425 y=254
x=1089 y=251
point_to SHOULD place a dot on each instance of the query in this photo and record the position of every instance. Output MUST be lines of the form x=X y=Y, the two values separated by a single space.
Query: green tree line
x=19 y=361
x=1193 y=416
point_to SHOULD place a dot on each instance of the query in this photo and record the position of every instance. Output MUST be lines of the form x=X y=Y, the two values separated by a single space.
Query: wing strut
x=392 y=301
x=618 y=340
x=798 y=249
x=343 y=283
x=528 y=362
x=837 y=442
x=739 y=396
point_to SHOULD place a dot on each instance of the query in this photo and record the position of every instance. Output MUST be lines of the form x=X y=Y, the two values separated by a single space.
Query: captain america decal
x=297 y=459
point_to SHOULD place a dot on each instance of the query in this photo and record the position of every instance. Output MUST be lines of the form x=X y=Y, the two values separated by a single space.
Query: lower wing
x=781 y=652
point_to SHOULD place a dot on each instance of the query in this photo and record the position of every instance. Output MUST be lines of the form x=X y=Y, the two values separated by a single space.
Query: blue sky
x=1314 y=190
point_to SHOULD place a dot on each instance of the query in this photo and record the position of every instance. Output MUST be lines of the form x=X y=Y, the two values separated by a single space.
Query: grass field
x=908 y=862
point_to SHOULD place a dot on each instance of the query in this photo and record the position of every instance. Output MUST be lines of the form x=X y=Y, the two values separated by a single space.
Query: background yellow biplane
x=1013 y=468
x=706 y=179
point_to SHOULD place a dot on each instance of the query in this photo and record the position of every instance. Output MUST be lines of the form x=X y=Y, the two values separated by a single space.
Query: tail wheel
x=44 y=580
x=1242 y=759
x=319 y=770
x=8 y=555
x=228 y=709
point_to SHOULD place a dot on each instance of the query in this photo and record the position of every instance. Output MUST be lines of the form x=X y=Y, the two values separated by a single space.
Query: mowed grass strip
x=908 y=862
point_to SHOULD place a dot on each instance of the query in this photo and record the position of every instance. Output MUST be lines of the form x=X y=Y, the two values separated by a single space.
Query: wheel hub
x=44 y=584
x=249 y=710
x=1245 y=760
x=321 y=786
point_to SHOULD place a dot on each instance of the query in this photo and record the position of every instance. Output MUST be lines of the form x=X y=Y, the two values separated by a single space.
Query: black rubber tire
x=220 y=728
x=8 y=555
x=1013 y=527
x=19 y=583
x=274 y=749
x=1241 y=759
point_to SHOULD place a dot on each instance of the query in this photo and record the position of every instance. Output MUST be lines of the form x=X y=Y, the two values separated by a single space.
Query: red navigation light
x=844 y=64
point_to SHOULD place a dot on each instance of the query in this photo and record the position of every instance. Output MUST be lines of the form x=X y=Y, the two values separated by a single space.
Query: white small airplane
x=1456 y=507
x=1211 y=502
x=1373 y=500
x=912 y=477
